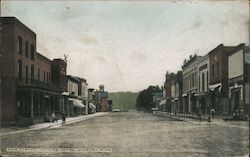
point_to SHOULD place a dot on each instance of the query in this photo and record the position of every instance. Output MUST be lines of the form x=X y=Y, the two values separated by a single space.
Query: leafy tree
x=144 y=101
x=123 y=100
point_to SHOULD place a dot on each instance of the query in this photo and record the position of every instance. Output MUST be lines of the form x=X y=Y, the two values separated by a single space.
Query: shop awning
x=77 y=103
x=214 y=86
x=199 y=94
x=154 y=109
x=65 y=93
x=92 y=106
x=185 y=94
x=163 y=102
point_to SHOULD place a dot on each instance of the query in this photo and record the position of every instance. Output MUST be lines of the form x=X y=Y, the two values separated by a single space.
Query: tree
x=144 y=101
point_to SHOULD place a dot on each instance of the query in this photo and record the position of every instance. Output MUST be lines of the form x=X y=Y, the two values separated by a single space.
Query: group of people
x=54 y=118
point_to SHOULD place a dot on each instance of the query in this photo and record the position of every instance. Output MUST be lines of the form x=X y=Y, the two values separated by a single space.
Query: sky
x=129 y=45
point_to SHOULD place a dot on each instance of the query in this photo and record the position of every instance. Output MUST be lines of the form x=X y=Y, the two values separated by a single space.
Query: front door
x=237 y=100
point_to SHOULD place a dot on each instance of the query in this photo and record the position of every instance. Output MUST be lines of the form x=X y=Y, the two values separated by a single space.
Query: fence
x=184 y=116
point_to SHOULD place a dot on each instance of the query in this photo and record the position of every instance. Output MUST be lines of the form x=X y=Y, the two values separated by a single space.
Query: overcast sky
x=129 y=45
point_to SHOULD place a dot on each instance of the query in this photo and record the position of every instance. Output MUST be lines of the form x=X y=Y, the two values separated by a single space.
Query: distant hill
x=123 y=100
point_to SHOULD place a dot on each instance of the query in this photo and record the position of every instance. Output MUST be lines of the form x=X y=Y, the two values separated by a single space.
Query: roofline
x=237 y=48
x=42 y=56
x=4 y=20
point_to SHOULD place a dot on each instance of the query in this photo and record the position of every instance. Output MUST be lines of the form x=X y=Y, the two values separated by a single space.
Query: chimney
x=101 y=87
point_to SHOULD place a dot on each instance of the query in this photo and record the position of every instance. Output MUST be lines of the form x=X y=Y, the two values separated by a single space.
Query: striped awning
x=77 y=103
x=163 y=102
x=92 y=106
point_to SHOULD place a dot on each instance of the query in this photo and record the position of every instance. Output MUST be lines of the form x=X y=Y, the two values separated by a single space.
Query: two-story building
x=176 y=93
x=202 y=94
x=167 y=105
x=101 y=99
x=218 y=65
x=83 y=93
x=91 y=96
x=190 y=85
x=75 y=105
x=238 y=80
x=28 y=95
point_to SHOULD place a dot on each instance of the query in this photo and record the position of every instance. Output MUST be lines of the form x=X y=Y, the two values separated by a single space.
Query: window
x=193 y=80
x=203 y=82
x=207 y=80
x=199 y=83
x=38 y=74
x=47 y=77
x=44 y=76
x=213 y=69
x=27 y=74
x=32 y=72
x=32 y=52
x=217 y=68
x=19 y=45
x=20 y=70
x=27 y=49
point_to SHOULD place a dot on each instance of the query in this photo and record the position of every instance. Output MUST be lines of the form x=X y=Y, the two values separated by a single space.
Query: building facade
x=91 y=97
x=101 y=99
x=238 y=80
x=83 y=93
x=75 y=105
x=218 y=64
x=167 y=88
x=202 y=95
x=190 y=84
x=28 y=94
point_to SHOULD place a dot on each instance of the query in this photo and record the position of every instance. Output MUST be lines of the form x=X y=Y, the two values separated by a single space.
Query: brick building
x=167 y=89
x=218 y=65
x=239 y=80
x=190 y=83
x=101 y=99
x=202 y=95
x=75 y=106
x=29 y=94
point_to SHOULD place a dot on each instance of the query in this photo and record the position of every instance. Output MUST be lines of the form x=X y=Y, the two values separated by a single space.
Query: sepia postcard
x=124 y=78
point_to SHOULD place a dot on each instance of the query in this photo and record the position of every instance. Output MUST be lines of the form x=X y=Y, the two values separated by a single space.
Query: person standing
x=63 y=118
x=53 y=117
x=212 y=112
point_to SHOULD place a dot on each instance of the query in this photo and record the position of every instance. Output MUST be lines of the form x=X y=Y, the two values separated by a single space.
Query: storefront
x=76 y=107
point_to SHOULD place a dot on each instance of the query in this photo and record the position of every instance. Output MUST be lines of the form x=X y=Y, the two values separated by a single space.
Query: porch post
x=31 y=107
x=54 y=104
x=39 y=105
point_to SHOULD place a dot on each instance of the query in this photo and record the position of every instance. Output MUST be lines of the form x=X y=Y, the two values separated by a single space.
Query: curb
x=57 y=125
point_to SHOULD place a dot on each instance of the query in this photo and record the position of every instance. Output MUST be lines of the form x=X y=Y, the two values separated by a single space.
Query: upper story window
x=207 y=80
x=19 y=44
x=27 y=49
x=27 y=74
x=32 y=52
x=32 y=70
x=203 y=82
x=217 y=68
x=44 y=76
x=38 y=74
x=20 y=78
x=47 y=77
x=199 y=84
x=213 y=69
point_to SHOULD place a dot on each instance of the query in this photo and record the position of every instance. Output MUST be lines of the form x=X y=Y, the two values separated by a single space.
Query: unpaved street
x=131 y=134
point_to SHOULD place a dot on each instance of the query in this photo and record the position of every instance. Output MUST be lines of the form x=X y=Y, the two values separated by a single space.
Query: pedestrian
x=63 y=118
x=212 y=112
x=53 y=115
x=199 y=114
